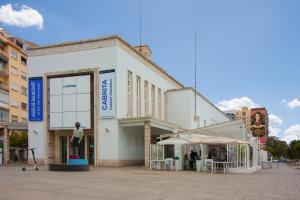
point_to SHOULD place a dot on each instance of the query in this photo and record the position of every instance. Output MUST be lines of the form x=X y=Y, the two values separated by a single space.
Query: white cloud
x=25 y=17
x=274 y=131
x=275 y=120
x=295 y=103
x=291 y=133
x=236 y=104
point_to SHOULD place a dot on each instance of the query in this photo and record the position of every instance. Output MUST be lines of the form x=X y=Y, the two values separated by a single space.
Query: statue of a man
x=76 y=138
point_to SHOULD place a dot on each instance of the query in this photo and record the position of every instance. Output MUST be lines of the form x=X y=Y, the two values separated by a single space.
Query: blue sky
x=245 y=48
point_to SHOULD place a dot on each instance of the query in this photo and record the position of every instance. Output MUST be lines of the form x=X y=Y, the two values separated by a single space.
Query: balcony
x=4 y=98
x=3 y=56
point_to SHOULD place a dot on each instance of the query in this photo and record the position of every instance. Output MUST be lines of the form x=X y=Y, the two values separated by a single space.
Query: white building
x=121 y=97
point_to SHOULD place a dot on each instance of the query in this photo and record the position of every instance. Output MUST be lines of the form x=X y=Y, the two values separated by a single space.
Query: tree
x=17 y=139
x=276 y=147
x=294 y=149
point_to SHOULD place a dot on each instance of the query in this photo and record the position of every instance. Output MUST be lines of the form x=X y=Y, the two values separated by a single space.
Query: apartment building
x=244 y=114
x=13 y=78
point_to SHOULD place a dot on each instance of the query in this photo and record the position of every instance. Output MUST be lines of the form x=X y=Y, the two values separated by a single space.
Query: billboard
x=70 y=102
x=259 y=123
x=35 y=98
x=107 y=93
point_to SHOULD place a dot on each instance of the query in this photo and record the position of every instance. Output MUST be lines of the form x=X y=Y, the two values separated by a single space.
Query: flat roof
x=103 y=38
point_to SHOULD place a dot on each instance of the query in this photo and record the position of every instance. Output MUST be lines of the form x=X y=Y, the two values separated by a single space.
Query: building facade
x=122 y=99
x=13 y=78
x=13 y=94
x=244 y=115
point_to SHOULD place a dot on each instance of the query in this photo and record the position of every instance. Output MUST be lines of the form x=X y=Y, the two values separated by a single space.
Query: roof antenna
x=195 y=86
x=140 y=16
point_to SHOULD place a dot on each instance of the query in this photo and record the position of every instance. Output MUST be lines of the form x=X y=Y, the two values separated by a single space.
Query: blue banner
x=35 y=101
x=107 y=90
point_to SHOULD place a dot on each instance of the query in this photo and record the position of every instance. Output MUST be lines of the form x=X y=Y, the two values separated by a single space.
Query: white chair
x=199 y=165
x=169 y=163
x=178 y=165
x=209 y=163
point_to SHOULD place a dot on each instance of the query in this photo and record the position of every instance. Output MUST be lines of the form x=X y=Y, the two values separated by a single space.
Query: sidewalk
x=138 y=183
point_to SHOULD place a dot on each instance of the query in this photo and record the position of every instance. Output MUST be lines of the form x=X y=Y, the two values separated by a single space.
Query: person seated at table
x=222 y=156
x=185 y=161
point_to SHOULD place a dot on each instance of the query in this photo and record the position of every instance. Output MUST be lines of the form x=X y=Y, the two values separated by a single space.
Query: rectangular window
x=14 y=103
x=13 y=54
x=24 y=76
x=3 y=115
x=153 y=101
x=159 y=102
x=204 y=123
x=23 y=60
x=14 y=70
x=129 y=94
x=138 y=96
x=2 y=65
x=14 y=118
x=24 y=90
x=24 y=106
x=14 y=86
x=146 y=98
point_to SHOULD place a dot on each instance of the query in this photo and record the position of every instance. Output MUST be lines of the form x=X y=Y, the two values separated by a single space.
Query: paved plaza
x=138 y=183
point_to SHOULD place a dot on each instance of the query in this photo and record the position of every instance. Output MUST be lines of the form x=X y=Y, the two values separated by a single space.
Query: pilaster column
x=147 y=142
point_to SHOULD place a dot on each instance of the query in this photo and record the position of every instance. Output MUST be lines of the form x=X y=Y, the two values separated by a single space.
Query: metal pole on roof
x=195 y=75
x=140 y=16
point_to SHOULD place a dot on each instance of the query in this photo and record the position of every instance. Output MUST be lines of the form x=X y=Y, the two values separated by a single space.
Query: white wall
x=112 y=141
x=128 y=62
x=102 y=58
x=181 y=110
x=131 y=143
x=108 y=139
x=36 y=139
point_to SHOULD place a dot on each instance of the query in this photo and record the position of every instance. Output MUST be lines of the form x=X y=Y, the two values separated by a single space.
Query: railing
x=5 y=54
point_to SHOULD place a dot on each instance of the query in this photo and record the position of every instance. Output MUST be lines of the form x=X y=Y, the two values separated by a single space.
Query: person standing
x=76 y=138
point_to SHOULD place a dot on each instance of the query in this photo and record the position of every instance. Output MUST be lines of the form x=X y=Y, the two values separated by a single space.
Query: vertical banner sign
x=107 y=87
x=35 y=104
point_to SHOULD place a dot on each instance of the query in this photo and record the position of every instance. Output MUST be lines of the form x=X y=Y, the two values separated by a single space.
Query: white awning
x=205 y=139
x=174 y=140
x=192 y=139
x=231 y=129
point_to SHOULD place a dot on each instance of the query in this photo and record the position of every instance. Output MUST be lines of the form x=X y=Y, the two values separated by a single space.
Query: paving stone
x=137 y=183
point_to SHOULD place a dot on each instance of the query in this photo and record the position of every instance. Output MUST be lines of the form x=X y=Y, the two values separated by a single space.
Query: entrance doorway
x=90 y=144
x=63 y=144
x=85 y=148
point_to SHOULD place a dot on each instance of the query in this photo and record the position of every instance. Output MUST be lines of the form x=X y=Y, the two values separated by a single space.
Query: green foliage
x=294 y=149
x=18 y=139
x=277 y=147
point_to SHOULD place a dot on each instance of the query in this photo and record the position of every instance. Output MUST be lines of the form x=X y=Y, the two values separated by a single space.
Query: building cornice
x=100 y=42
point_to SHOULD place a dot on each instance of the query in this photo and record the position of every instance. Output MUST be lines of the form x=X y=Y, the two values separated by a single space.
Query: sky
x=248 y=52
